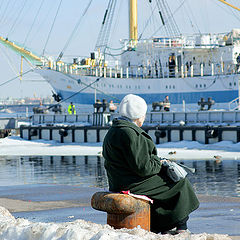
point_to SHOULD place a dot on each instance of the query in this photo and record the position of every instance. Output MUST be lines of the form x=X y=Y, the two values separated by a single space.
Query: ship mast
x=133 y=31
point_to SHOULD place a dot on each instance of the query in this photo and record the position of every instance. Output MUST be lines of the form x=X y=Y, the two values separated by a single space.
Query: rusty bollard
x=123 y=211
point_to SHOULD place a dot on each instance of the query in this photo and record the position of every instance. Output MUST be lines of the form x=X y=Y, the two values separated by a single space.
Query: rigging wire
x=9 y=62
x=35 y=18
x=14 y=23
x=147 y=22
x=174 y=24
x=170 y=26
x=104 y=33
x=177 y=9
x=5 y=11
x=82 y=89
x=225 y=8
x=116 y=24
x=195 y=22
x=41 y=24
x=54 y=20
x=98 y=90
x=12 y=79
x=74 y=31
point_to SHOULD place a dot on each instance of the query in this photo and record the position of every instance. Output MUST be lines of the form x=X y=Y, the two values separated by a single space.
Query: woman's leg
x=182 y=225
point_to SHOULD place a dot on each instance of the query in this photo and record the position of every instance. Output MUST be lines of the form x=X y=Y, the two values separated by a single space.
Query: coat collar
x=120 y=122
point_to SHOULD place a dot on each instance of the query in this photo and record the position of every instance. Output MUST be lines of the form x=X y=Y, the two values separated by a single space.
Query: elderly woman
x=132 y=163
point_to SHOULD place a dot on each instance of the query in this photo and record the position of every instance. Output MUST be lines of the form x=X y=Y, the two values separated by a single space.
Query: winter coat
x=132 y=163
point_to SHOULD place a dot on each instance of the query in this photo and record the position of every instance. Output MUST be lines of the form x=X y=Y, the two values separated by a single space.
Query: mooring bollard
x=123 y=211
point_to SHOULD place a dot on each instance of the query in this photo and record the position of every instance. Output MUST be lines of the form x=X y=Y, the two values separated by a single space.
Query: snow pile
x=183 y=150
x=22 y=229
x=15 y=145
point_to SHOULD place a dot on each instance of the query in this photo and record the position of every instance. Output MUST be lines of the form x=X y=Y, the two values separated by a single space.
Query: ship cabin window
x=204 y=85
x=230 y=84
x=196 y=86
x=173 y=86
x=79 y=81
x=148 y=87
x=200 y=85
x=112 y=86
x=234 y=84
x=170 y=87
x=166 y=86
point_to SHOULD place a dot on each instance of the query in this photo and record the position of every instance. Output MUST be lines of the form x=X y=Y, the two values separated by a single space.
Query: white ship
x=186 y=68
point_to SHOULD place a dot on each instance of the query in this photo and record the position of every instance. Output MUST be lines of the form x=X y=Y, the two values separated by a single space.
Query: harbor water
x=214 y=177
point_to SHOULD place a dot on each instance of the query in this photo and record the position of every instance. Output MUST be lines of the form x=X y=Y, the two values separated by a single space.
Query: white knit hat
x=133 y=107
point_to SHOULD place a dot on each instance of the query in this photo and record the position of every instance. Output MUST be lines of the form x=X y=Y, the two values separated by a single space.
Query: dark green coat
x=132 y=163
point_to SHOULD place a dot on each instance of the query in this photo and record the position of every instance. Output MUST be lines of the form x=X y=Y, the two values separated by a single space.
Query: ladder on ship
x=234 y=104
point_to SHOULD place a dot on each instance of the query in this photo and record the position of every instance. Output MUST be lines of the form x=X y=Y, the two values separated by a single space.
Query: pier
x=204 y=126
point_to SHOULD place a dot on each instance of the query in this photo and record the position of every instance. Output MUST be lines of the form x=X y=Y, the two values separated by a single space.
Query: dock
x=204 y=127
x=6 y=125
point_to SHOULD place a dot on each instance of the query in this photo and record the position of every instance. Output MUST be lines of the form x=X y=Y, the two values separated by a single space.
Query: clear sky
x=28 y=22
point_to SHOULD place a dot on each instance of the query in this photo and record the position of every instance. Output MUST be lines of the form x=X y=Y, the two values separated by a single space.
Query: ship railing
x=151 y=71
x=195 y=117
x=195 y=40
x=158 y=117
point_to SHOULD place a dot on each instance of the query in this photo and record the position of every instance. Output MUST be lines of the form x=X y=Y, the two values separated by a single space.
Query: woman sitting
x=132 y=163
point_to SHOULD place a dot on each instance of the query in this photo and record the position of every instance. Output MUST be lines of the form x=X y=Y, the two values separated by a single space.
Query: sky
x=31 y=23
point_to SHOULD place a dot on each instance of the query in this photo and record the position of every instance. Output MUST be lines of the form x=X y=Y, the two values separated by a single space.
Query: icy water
x=211 y=177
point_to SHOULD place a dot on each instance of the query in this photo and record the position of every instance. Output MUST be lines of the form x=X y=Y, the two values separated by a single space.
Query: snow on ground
x=183 y=150
x=22 y=229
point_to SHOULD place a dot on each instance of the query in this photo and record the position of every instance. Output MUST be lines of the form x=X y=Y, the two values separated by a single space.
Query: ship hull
x=85 y=89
